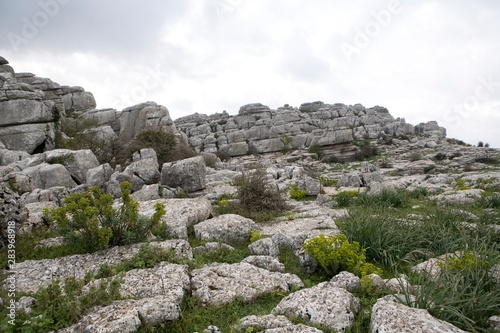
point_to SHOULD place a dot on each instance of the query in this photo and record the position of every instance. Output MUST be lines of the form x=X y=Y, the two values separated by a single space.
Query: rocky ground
x=156 y=293
x=204 y=261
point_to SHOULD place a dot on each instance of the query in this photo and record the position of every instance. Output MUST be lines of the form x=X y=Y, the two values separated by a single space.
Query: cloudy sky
x=423 y=60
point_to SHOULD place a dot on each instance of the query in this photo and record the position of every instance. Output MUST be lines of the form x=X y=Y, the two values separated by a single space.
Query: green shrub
x=327 y=182
x=415 y=157
x=490 y=200
x=315 y=149
x=162 y=142
x=345 y=198
x=297 y=194
x=286 y=140
x=464 y=294
x=89 y=218
x=336 y=254
x=255 y=235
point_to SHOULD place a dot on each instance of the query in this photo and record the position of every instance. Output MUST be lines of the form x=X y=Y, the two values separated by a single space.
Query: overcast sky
x=423 y=60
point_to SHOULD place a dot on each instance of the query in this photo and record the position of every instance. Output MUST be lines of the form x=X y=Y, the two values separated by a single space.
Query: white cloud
x=422 y=62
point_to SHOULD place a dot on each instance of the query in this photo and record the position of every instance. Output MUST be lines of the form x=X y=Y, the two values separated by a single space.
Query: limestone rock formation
x=323 y=304
x=390 y=316
x=221 y=283
x=228 y=228
x=330 y=127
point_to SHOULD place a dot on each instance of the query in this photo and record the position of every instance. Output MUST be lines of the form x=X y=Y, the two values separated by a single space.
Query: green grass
x=465 y=297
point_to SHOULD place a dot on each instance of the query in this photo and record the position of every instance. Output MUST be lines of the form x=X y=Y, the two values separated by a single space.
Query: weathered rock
x=267 y=262
x=45 y=176
x=77 y=162
x=13 y=214
x=211 y=247
x=19 y=182
x=9 y=156
x=323 y=304
x=141 y=117
x=390 y=316
x=99 y=175
x=494 y=323
x=346 y=280
x=229 y=228
x=145 y=167
x=259 y=323
x=147 y=193
x=180 y=214
x=222 y=283
x=465 y=197
x=36 y=217
x=264 y=246
x=188 y=174
x=33 y=274
x=78 y=100
x=300 y=328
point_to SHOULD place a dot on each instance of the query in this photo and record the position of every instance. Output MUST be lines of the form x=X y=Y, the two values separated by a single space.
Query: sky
x=422 y=60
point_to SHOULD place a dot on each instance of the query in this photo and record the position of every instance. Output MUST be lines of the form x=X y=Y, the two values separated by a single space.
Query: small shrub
x=162 y=142
x=315 y=149
x=336 y=254
x=385 y=164
x=255 y=235
x=490 y=200
x=429 y=169
x=63 y=160
x=439 y=156
x=256 y=193
x=365 y=152
x=223 y=156
x=487 y=160
x=345 y=198
x=466 y=262
x=328 y=182
x=480 y=144
x=297 y=194
x=286 y=140
x=415 y=157
x=89 y=218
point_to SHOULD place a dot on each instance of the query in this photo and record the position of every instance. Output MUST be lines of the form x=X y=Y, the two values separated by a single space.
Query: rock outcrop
x=331 y=127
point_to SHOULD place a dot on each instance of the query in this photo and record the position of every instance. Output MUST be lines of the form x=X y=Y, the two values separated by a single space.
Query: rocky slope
x=34 y=176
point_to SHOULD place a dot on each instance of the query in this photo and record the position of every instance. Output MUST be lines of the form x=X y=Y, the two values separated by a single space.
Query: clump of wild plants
x=89 y=218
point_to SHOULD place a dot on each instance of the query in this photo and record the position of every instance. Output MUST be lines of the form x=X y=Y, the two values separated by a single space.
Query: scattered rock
x=390 y=316
x=221 y=283
x=229 y=228
x=323 y=304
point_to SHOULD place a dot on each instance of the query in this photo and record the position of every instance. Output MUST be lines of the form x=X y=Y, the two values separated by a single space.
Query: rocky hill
x=425 y=208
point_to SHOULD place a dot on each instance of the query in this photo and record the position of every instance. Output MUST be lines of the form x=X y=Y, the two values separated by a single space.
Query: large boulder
x=229 y=228
x=392 y=317
x=77 y=162
x=157 y=294
x=181 y=214
x=34 y=274
x=145 y=166
x=324 y=304
x=221 y=283
x=46 y=175
x=76 y=99
x=138 y=118
x=188 y=174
